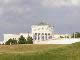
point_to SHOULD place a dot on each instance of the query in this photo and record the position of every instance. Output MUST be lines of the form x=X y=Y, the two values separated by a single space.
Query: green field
x=40 y=52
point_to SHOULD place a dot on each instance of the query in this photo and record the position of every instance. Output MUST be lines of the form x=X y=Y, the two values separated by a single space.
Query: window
x=35 y=33
x=50 y=37
x=48 y=33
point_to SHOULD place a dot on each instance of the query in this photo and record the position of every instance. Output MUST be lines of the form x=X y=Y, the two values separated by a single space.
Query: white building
x=14 y=36
x=41 y=33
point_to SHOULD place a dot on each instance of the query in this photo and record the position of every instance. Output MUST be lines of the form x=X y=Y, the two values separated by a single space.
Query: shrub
x=22 y=40
x=29 y=40
x=11 y=42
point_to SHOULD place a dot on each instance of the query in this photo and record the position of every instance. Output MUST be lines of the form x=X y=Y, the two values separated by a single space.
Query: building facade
x=15 y=36
x=42 y=31
x=39 y=32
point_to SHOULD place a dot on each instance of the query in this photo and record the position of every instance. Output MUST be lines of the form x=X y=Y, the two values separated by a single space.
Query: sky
x=17 y=16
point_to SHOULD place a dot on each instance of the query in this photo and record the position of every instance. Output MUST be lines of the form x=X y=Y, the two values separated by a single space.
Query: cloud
x=7 y=1
x=14 y=14
x=60 y=3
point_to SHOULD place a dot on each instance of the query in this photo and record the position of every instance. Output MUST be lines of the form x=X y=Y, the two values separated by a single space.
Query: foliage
x=29 y=40
x=76 y=35
x=11 y=42
x=22 y=40
x=61 y=37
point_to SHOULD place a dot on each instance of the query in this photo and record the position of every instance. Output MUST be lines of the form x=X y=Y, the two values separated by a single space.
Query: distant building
x=14 y=36
x=40 y=32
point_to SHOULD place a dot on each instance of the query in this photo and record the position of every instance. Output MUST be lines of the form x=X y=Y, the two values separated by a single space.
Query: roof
x=42 y=23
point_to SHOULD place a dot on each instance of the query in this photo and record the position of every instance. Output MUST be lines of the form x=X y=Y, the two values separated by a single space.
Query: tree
x=22 y=40
x=29 y=40
x=61 y=37
x=14 y=41
x=11 y=42
x=8 y=42
x=76 y=35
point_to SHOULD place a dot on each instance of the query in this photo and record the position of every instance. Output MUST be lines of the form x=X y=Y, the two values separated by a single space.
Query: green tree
x=11 y=42
x=76 y=35
x=29 y=40
x=61 y=37
x=14 y=41
x=22 y=40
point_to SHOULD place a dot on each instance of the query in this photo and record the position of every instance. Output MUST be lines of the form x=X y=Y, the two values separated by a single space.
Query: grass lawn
x=40 y=52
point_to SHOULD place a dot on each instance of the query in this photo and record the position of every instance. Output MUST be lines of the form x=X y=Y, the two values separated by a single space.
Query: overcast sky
x=18 y=15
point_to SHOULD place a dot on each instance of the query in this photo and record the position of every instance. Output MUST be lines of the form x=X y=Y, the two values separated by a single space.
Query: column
x=47 y=36
x=37 y=36
x=40 y=36
x=33 y=36
x=44 y=36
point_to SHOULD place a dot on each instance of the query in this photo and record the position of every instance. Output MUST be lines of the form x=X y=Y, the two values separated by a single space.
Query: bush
x=11 y=42
x=29 y=40
x=22 y=40
x=76 y=35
